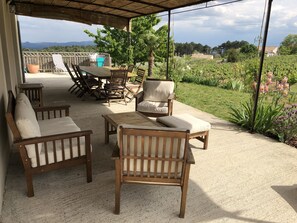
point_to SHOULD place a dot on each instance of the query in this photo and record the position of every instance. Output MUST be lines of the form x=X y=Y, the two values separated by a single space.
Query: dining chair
x=89 y=85
x=134 y=87
x=115 y=89
x=76 y=84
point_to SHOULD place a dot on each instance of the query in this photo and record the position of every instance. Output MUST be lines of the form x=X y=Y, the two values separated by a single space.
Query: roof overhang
x=115 y=13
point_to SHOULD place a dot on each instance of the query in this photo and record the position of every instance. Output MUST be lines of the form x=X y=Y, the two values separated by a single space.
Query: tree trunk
x=151 y=63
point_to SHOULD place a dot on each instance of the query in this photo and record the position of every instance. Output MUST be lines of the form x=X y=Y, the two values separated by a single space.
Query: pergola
x=118 y=14
x=115 y=13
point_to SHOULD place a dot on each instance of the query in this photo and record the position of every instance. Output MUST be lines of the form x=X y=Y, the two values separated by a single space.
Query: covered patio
x=242 y=177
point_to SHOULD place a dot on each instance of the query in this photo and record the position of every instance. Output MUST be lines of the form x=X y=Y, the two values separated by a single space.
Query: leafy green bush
x=265 y=116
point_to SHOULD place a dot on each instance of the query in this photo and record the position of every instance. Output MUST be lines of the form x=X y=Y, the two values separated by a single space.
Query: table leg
x=106 y=131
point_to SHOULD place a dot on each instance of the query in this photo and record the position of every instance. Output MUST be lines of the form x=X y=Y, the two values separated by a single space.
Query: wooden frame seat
x=50 y=145
x=152 y=155
x=156 y=99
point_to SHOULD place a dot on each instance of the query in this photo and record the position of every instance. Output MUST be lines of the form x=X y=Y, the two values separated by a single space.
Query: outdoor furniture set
x=117 y=86
x=147 y=151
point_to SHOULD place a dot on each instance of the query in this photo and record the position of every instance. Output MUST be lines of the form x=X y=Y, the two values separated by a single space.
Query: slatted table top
x=131 y=118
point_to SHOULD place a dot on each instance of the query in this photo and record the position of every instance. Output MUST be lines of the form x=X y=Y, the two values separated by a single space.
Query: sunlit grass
x=213 y=100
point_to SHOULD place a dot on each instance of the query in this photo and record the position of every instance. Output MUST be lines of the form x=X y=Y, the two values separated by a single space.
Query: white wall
x=10 y=76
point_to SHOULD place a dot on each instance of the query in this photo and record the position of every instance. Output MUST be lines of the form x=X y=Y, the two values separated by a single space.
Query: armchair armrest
x=171 y=96
x=139 y=96
x=138 y=99
x=48 y=138
x=49 y=112
x=190 y=158
x=115 y=153
x=43 y=140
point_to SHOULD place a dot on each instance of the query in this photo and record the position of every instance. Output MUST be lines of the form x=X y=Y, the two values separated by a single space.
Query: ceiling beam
x=150 y=4
x=106 y=6
x=71 y=14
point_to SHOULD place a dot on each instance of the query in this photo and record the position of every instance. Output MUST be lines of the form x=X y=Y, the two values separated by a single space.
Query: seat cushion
x=57 y=126
x=27 y=124
x=185 y=121
x=157 y=90
x=153 y=107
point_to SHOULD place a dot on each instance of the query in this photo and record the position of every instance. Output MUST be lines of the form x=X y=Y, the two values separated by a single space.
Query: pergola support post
x=168 y=45
x=261 y=64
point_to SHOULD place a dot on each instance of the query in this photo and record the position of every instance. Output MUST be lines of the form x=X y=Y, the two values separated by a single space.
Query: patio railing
x=45 y=60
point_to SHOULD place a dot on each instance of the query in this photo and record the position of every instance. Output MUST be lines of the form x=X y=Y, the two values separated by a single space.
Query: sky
x=208 y=26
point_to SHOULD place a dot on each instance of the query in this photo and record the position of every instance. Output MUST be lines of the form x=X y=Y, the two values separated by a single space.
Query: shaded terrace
x=242 y=177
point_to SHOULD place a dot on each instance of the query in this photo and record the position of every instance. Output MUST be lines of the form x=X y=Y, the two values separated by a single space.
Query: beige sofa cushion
x=153 y=107
x=185 y=121
x=27 y=124
x=153 y=149
x=58 y=126
x=157 y=90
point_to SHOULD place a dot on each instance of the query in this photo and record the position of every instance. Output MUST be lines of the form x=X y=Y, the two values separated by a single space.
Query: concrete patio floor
x=242 y=177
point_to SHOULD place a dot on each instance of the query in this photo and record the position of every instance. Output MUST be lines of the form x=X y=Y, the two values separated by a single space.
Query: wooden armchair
x=146 y=155
x=156 y=99
x=51 y=143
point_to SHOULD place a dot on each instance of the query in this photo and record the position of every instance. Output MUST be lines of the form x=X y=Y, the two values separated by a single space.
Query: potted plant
x=33 y=67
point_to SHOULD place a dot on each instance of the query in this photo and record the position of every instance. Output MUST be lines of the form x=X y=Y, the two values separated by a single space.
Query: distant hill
x=38 y=46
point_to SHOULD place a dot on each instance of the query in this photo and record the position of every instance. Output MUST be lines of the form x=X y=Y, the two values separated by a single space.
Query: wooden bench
x=47 y=138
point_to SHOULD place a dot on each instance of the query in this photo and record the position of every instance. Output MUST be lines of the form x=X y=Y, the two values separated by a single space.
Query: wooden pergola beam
x=106 y=6
x=71 y=14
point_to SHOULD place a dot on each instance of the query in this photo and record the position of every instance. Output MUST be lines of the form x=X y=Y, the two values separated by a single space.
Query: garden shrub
x=285 y=125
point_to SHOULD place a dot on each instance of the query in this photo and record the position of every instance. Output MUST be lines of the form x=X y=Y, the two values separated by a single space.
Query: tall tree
x=145 y=41
x=289 y=45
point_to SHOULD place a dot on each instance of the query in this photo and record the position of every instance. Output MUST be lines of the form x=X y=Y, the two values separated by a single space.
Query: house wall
x=10 y=76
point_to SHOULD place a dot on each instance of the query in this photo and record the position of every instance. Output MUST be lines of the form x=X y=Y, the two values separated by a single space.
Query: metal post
x=261 y=63
x=129 y=41
x=168 y=45
x=21 y=51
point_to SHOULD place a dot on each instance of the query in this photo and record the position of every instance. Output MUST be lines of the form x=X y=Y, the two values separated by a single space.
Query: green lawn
x=213 y=100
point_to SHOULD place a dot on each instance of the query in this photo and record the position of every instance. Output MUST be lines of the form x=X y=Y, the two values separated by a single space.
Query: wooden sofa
x=47 y=138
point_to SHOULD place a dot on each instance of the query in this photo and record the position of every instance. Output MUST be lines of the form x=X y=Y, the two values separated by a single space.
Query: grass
x=213 y=100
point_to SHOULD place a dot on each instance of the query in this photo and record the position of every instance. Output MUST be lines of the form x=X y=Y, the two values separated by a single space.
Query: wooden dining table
x=101 y=72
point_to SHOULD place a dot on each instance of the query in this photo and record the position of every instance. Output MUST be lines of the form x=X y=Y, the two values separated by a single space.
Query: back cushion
x=157 y=90
x=27 y=124
x=23 y=97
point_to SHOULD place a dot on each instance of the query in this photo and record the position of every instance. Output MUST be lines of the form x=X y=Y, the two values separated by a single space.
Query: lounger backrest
x=58 y=62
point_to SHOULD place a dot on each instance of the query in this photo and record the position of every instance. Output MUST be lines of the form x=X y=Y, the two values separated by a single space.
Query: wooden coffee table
x=112 y=121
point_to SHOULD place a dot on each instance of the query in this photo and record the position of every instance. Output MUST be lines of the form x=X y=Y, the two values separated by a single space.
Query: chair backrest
x=153 y=152
x=80 y=76
x=139 y=79
x=157 y=90
x=119 y=77
x=58 y=62
x=69 y=71
x=130 y=68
